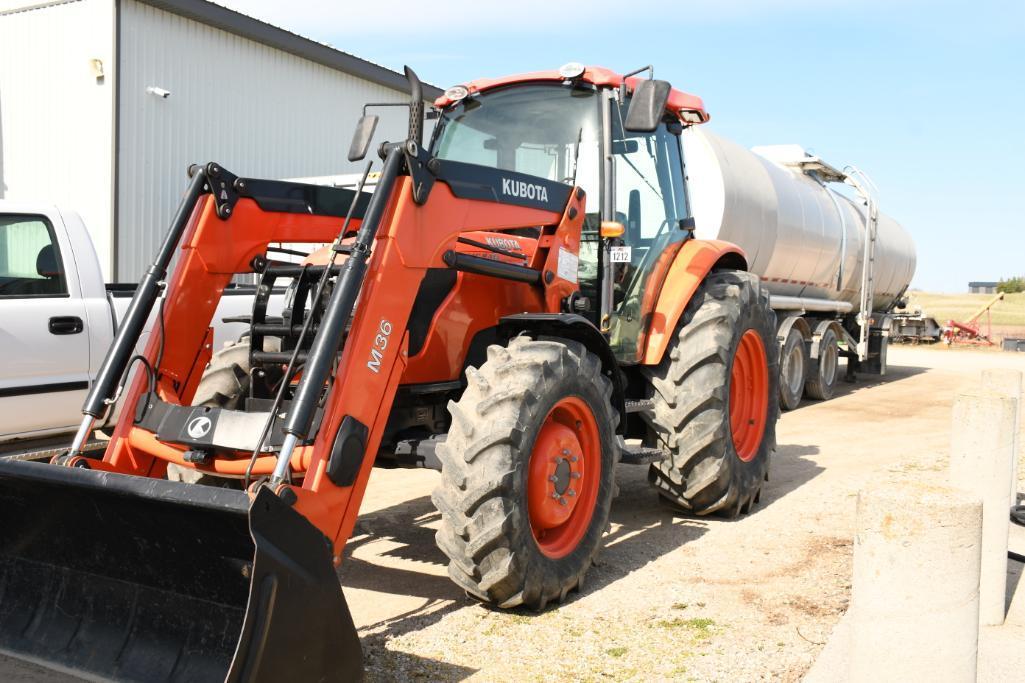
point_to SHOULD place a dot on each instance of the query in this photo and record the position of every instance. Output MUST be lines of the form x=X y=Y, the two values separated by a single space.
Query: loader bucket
x=115 y=577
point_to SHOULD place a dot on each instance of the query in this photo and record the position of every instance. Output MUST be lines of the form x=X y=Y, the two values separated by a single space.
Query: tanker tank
x=801 y=236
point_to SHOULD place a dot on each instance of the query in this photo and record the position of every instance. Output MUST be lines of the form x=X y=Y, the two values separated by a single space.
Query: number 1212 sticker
x=620 y=254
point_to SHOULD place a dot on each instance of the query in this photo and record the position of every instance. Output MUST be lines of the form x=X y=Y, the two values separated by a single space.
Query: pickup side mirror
x=648 y=106
x=362 y=136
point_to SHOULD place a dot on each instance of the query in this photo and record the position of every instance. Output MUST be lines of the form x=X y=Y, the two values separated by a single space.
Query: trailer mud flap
x=113 y=577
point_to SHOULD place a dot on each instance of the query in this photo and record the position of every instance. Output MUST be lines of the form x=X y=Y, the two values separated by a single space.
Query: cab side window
x=30 y=263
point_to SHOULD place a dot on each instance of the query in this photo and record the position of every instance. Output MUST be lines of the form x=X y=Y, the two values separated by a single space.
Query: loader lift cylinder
x=325 y=346
x=117 y=359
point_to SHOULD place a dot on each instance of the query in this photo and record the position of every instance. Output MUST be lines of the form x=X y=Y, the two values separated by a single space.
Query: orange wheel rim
x=563 y=477
x=749 y=396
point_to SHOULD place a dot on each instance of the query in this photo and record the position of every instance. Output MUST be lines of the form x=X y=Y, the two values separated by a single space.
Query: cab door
x=45 y=373
x=650 y=199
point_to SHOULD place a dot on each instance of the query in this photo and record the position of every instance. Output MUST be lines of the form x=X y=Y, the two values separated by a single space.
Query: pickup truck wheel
x=716 y=399
x=528 y=473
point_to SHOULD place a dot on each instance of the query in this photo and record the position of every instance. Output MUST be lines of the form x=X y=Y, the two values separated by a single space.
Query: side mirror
x=362 y=136
x=647 y=107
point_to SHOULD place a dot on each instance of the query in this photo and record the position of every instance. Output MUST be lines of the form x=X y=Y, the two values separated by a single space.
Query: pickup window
x=30 y=262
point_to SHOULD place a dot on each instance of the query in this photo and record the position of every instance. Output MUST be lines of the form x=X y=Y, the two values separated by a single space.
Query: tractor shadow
x=894 y=373
x=393 y=554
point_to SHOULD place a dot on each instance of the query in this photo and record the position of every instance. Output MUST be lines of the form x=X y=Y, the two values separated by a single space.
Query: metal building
x=104 y=103
x=983 y=287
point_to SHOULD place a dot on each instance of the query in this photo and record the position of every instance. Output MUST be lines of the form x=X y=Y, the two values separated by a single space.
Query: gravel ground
x=673 y=597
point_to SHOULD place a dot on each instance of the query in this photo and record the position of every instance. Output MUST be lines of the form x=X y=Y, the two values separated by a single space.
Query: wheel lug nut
x=574 y=475
x=573 y=459
x=553 y=479
x=555 y=495
x=565 y=451
x=571 y=492
x=562 y=501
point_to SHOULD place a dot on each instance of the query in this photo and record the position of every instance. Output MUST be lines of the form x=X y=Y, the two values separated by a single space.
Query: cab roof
x=599 y=76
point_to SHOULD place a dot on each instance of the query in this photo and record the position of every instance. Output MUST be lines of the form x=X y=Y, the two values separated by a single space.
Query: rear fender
x=695 y=260
x=577 y=328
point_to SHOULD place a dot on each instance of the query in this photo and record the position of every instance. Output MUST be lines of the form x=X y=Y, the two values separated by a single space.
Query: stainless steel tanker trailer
x=834 y=264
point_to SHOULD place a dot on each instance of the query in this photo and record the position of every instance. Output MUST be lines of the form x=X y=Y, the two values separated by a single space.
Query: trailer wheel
x=793 y=368
x=825 y=370
x=716 y=399
x=528 y=473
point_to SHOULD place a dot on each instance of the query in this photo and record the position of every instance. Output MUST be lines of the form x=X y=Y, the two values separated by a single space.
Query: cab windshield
x=545 y=130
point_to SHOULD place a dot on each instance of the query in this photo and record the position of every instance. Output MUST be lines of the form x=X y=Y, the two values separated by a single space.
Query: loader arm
x=335 y=462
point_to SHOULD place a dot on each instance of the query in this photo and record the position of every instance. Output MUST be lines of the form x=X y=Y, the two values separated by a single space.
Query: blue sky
x=927 y=97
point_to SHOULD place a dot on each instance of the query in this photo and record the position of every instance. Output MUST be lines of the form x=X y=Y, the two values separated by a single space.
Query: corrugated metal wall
x=56 y=116
x=258 y=111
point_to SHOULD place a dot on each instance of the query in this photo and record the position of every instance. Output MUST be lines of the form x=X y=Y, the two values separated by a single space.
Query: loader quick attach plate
x=115 y=577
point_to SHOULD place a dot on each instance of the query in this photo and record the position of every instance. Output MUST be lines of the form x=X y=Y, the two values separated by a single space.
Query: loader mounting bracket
x=222 y=185
x=418 y=162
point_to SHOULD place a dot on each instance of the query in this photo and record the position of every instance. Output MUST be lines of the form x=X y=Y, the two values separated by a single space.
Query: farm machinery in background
x=970 y=331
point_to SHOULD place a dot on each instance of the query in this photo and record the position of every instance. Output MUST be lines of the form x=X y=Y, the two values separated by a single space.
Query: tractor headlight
x=571 y=70
x=456 y=92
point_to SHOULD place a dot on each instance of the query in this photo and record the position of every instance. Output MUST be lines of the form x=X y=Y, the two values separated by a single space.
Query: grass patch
x=701 y=627
x=616 y=651
x=679 y=605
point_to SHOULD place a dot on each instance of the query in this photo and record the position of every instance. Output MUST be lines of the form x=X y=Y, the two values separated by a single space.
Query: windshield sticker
x=567 y=268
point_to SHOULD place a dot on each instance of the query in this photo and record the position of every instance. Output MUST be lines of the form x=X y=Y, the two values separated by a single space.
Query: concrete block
x=981 y=449
x=914 y=613
x=1009 y=383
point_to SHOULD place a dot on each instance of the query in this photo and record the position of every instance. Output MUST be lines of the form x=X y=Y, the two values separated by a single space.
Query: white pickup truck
x=57 y=318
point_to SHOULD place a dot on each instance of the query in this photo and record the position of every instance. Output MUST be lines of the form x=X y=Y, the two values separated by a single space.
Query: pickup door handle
x=66 y=324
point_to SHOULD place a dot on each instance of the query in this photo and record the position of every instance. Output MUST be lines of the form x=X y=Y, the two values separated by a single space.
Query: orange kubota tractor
x=521 y=305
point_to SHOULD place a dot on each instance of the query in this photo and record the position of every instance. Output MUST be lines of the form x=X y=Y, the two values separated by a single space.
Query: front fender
x=692 y=264
x=577 y=328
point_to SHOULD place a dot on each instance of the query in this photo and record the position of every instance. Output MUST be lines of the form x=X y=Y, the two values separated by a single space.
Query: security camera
x=158 y=92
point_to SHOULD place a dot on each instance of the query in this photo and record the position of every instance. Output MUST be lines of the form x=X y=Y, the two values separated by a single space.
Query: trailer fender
x=789 y=323
x=820 y=330
x=577 y=328
x=695 y=260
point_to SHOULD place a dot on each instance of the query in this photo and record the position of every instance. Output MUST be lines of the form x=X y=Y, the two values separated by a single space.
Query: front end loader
x=520 y=304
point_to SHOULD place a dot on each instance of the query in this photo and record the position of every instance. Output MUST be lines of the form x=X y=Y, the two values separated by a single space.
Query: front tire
x=528 y=473
x=716 y=399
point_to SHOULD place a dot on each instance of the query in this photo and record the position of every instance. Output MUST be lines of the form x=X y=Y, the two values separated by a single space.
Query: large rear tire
x=716 y=399
x=528 y=473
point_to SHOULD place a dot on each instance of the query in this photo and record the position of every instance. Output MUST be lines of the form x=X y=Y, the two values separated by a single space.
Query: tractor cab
x=617 y=138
